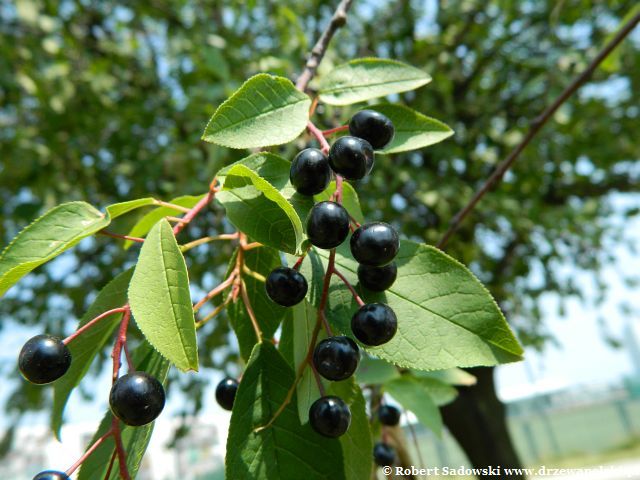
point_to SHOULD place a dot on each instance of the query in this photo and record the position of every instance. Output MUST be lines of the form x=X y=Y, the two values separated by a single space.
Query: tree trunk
x=477 y=421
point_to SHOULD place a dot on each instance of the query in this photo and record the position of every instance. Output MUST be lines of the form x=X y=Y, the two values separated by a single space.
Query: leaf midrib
x=173 y=304
x=377 y=84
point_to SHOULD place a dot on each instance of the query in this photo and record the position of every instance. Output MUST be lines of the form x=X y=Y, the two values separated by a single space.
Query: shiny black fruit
x=327 y=225
x=351 y=157
x=383 y=454
x=336 y=358
x=330 y=416
x=51 y=475
x=310 y=173
x=374 y=324
x=373 y=127
x=44 y=359
x=286 y=286
x=389 y=415
x=375 y=244
x=377 y=279
x=137 y=398
x=226 y=392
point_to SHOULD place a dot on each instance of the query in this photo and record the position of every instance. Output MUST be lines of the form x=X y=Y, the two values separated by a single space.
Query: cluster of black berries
x=136 y=398
x=383 y=454
x=373 y=245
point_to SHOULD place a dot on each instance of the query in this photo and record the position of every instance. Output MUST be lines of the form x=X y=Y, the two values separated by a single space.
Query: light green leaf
x=275 y=170
x=611 y=63
x=135 y=439
x=350 y=199
x=305 y=316
x=266 y=110
x=413 y=395
x=118 y=209
x=366 y=78
x=451 y=376
x=356 y=443
x=85 y=347
x=47 y=237
x=261 y=260
x=142 y=227
x=446 y=318
x=287 y=449
x=374 y=371
x=160 y=299
x=258 y=209
x=413 y=129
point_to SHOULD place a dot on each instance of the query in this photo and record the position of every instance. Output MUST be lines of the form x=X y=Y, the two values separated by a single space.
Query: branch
x=536 y=126
x=317 y=52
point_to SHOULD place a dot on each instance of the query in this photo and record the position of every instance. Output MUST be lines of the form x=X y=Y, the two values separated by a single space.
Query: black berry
x=286 y=286
x=383 y=454
x=51 y=475
x=330 y=416
x=351 y=157
x=389 y=415
x=377 y=279
x=327 y=225
x=336 y=358
x=374 y=324
x=310 y=173
x=137 y=398
x=44 y=359
x=375 y=244
x=373 y=127
x=226 y=392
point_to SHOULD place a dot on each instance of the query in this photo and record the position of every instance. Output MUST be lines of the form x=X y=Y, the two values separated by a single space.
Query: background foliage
x=106 y=102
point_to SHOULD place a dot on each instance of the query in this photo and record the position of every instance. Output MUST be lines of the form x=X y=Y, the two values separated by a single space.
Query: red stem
x=216 y=291
x=331 y=131
x=318 y=379
x=122 y=455
x=113 y=459
x=124 y=237
x=120 y=341
x=204 y=201
x=317 y=133
x=89 y=451
x=349 y=286
x=127 y=355
x=90 y=324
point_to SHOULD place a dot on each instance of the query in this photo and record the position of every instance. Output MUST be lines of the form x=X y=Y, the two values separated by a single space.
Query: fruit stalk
x=92 y=323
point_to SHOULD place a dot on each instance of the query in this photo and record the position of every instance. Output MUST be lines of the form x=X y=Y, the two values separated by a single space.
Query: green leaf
x=266 y=110
x=413 y=129
x=611 y=63
x=451 y=376
x=275 y=170
x=366 y=78
x=374 y=371
x=47 y=237
x=305 y=316
x=135 y=439
x=446 y=318
x=85 y=347
x=261 y=260
x=258 y=209
x=356 y=443
x=160 y=299
x=413 y=395
x=350 y=199
x=142 y=227
x=118 y=209
x=285 y=450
